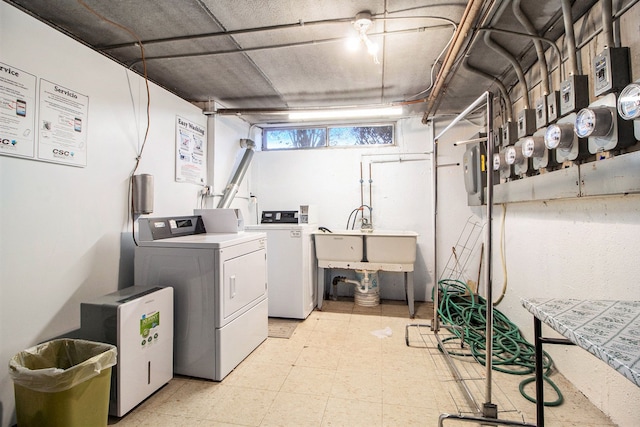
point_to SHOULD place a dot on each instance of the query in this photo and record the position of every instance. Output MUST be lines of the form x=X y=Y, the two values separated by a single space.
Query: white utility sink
x=367 y=249
x=391 y=247
x=377 y=250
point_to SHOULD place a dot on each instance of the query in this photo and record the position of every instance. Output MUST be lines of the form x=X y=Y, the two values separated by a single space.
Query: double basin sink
x=368 y=250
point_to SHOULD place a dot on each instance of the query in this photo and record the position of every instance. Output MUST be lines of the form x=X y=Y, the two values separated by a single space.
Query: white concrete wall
x=579 y=248
x=64 y=231
x=330 y=178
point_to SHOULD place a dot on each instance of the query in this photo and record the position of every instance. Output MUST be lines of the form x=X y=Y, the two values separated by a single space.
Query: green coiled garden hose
x=512 y=354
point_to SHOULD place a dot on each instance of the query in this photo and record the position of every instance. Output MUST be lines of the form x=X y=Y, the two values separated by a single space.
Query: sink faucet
x=366 y=225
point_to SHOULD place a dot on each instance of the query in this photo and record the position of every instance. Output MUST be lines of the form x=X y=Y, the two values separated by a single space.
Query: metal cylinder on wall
x=142 y=198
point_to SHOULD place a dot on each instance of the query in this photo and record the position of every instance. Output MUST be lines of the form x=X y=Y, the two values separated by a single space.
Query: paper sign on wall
x=190 y=151
x=62 y=125
x=17 y=112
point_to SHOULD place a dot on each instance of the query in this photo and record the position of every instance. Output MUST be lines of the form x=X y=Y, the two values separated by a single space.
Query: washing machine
x=138 y=320
x=220 y=290
x=291 y=264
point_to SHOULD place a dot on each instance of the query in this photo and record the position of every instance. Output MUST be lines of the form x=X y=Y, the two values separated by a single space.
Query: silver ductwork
x=232 y=188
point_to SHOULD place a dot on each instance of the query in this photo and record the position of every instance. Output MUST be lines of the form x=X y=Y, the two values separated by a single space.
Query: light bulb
x=352 y=43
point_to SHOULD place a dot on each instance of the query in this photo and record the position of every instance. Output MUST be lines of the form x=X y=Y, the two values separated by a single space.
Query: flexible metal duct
x=232 y=188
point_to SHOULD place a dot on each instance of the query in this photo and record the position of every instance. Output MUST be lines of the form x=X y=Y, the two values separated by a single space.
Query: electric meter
x=604 y=128
x=513 y=155
x=533 y=146
x=500 y=162
x=560 y=136
x=592 y=122
x=569 y=147
x=500 y=165
x=629 y=102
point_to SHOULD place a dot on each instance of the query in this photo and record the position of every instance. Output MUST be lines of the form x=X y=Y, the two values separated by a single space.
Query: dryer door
x=244 y=283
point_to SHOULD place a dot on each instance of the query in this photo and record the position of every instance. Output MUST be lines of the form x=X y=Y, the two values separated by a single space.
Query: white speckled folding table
x=610 y=330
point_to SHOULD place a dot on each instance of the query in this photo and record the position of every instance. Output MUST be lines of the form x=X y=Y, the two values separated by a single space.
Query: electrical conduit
x=570 y=37
x=492 y=44
x=542 y=59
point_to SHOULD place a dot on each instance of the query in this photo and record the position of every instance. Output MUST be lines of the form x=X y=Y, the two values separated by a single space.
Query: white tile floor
x=334 y=372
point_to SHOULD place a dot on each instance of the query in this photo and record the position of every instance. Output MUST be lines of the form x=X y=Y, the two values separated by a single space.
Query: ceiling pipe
x=493 y=45
x=542 y=59
x=503 y=90
x=466 y=22
x=570 y=37
x=607 y=23
x=237 y=50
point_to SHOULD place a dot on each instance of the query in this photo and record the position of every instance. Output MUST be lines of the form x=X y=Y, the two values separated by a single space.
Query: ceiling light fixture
x=362 y=24
x=345 y=113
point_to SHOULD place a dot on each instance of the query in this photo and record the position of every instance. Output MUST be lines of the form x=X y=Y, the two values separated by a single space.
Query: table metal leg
x=537 y=329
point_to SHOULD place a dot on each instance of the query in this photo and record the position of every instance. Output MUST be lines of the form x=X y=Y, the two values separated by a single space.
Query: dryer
x=220 y=291
x=292 y=268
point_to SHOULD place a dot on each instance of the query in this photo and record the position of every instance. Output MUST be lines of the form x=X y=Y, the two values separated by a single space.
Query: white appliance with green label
x=138 y=320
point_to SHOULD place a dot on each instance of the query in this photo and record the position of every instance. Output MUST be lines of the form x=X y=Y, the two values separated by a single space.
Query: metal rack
x=489 y=410
x=462 y=251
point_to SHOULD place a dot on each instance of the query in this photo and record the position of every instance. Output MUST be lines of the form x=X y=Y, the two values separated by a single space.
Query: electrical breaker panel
x=475 y=173
x=526 y=122
x=553 y=106
x=574 y=94
x=509 y=133
x=541 y=112
x=611 y=70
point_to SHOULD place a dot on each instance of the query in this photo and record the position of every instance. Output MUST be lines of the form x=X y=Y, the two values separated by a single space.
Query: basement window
x=327 y=136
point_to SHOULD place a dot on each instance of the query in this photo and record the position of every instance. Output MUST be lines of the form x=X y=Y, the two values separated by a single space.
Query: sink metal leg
x=320 y=287
x=408 y=280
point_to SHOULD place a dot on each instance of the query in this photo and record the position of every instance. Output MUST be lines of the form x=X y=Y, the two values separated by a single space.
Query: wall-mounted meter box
x=603 y=127
x=611 y=70
x=526 y=122
x=563 y=142
x=501 y=166
x=629 y=106
x=553 y=106
x=574 y=94
x=474 y=166
x=541 y=112
x=497 y=138
x=509 y=133
x=513 y=155
x=533 y=147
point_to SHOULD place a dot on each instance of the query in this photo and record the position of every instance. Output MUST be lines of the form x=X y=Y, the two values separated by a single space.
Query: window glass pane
x=360 y=135
x=277 y=139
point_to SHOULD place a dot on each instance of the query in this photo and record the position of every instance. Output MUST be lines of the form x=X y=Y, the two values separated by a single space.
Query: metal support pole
x=489 y=409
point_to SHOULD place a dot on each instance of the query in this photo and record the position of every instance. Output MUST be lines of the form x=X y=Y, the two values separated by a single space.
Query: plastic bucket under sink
x=371 y=298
